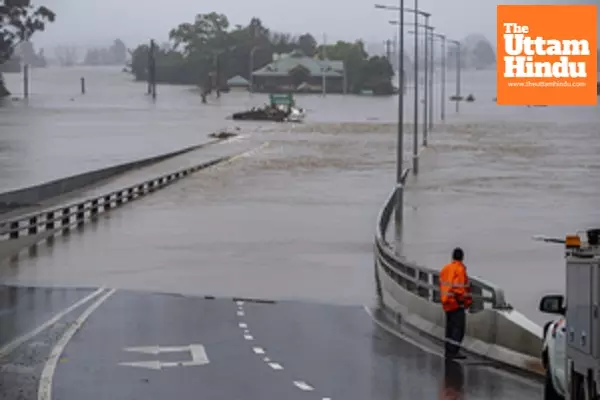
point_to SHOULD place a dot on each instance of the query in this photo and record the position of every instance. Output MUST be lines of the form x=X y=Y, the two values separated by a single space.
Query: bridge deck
x=253 y=351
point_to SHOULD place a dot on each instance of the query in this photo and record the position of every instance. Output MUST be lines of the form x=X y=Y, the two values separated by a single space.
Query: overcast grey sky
x=93 y=22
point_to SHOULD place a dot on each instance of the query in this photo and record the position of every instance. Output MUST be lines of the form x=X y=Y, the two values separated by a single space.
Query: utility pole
x=323 y=68
x=388 y=50
x=25 y=71
x=152 y=70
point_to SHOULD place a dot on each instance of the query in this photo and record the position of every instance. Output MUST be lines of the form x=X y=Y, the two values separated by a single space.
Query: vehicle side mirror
x=553 y=304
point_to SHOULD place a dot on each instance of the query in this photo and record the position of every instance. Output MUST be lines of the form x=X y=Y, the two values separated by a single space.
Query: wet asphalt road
x=253 y=350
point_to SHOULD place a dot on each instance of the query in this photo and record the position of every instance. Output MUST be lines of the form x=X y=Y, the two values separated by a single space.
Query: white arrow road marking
x=197 y=351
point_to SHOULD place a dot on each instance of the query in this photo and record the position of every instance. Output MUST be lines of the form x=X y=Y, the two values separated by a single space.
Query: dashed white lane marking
x=276 y=366
x=303 y=386
x=260 y=351
x=10 y=347
x=45 y=385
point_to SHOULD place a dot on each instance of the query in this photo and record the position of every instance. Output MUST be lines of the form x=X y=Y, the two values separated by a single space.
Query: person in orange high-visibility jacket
x=455 y=293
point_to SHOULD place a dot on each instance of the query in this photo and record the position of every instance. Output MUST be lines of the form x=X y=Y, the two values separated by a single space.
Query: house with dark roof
x=296 y=72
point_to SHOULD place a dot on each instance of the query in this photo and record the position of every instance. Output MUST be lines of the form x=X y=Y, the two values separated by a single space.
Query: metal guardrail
x=422 y=281
x=62 y=218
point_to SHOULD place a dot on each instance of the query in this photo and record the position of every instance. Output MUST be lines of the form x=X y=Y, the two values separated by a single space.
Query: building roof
x=238 y=81
x=287 y=62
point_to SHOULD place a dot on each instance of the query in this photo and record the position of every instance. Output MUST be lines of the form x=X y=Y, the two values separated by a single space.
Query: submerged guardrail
x=36 y=226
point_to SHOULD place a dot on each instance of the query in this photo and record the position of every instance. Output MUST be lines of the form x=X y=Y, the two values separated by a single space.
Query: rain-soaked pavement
x=109 y=344
x=294 y=221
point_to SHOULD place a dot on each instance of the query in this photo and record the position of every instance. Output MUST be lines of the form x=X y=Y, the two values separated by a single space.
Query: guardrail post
x=66 y=219
x=106 y=203
x=129 y=194
x=436 y=294
x=423 y=291
x=118 y=198
x=14 y=230
x=33 y=226
x=94 y=208
x=80 y=214
x=50 y=220
x=478 y=301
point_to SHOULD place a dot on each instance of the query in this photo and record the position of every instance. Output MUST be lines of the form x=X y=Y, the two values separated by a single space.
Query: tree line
x=208 y=51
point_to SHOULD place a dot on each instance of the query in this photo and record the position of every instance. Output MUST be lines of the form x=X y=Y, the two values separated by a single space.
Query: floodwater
x=295 y=220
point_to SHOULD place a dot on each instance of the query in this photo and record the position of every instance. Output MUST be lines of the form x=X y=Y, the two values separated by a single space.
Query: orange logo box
x=547 y=55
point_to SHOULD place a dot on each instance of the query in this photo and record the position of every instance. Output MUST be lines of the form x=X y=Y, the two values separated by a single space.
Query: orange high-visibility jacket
x=455 y=290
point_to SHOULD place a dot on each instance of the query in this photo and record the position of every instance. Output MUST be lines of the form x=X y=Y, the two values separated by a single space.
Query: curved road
x=128 y=345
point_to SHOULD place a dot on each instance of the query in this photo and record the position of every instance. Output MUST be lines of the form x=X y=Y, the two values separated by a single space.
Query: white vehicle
x=554 y=348
x=571 y=349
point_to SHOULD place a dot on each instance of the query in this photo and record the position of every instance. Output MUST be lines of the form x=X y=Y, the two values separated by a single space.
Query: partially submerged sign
x=281 y=99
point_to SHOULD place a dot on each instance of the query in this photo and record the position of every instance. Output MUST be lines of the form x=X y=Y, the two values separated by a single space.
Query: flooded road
x=295 y=220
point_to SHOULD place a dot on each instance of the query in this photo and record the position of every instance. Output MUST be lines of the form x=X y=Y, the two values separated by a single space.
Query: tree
x=118 y=52
x=208 y=50
x=18 y=22
x=307 y=44
x=66 y=55
x=353 y=55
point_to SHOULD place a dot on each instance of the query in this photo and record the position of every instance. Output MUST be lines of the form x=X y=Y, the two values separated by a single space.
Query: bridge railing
x=63 y=218
x=423 y=281
x=410 y=294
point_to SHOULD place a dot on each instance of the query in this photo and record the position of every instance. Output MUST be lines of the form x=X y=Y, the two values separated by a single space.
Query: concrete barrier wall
x=502 y=336
x=35 y=194
x=408 y=292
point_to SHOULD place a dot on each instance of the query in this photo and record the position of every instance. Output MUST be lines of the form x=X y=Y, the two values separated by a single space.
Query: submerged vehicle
x=281 y=108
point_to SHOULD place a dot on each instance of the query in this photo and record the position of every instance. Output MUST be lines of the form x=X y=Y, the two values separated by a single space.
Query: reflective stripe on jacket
x=455 y=289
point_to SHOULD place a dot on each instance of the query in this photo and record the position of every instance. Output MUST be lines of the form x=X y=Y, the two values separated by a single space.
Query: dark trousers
x=456 y=322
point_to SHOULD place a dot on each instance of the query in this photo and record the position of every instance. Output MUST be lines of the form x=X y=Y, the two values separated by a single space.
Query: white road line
x=240 y=313
x=45 y=385
x=402 y=336
x=267 y=359
x=275 y=365
x=246 y=331
x=248 y=337
x=240 y=303
x=303 y=386
x=258 y=350
x=10 y=347
x=243 y=325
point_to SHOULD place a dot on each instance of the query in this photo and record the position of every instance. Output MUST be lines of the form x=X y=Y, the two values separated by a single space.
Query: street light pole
x=458 y=67
x=400 y=141
x=431 y=94
x=426 y=83
x=416 y=96
x=443 y=93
